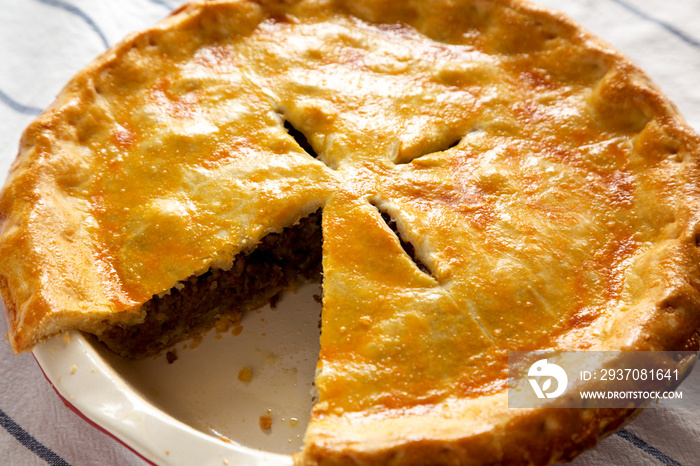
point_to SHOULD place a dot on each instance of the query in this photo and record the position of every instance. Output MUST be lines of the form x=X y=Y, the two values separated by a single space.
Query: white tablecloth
x=44 y=42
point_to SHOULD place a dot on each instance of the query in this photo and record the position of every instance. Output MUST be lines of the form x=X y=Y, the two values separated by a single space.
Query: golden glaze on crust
x=548 y=187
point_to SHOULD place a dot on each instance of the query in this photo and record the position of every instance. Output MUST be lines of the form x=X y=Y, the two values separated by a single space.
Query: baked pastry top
x=492 y=178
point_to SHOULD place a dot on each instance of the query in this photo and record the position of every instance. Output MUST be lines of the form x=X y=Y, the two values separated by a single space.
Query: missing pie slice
x=466 y=177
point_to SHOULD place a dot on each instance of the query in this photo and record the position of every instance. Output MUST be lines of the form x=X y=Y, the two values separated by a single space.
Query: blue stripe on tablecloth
x=78 y=12
x=668 y=27
x=642 y=445
x=18 y=107
x=28 y=110
x=32 y=444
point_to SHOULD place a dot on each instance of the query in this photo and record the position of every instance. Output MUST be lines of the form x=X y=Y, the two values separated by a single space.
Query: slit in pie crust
x=488 y=177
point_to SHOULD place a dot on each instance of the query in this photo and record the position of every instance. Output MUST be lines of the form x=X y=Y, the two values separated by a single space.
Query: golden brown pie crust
x=549 y=188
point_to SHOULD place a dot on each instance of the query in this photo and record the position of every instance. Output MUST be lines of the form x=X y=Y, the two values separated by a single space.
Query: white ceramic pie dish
x=196 y=410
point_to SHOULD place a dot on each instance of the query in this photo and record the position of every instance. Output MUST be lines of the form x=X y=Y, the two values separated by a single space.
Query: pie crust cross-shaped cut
x=491 y=179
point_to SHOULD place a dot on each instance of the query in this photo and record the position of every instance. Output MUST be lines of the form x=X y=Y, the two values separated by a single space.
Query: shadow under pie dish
x=470 y=178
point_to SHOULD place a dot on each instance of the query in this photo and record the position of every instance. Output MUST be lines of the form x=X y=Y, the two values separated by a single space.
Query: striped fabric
x=44 y=42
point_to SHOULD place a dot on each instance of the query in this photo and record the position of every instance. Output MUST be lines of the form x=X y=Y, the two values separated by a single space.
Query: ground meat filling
x=201 y=302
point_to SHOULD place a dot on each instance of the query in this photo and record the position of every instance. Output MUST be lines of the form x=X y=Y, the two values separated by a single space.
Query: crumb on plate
x=245 y=374
x=171 y=356
x=265 y=422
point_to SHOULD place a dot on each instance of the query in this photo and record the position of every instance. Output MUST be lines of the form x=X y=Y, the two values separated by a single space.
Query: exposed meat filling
x=200 y=302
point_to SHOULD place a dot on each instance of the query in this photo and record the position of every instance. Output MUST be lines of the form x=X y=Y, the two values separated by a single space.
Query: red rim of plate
x=80 y=414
